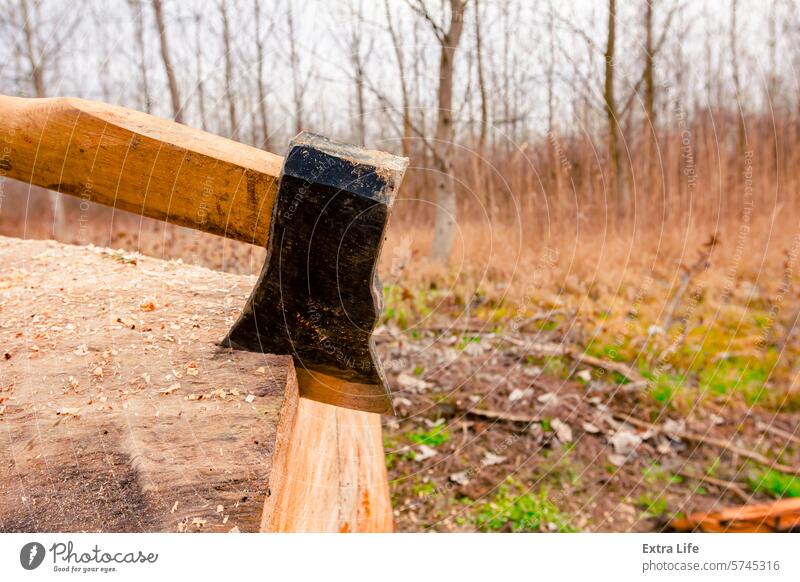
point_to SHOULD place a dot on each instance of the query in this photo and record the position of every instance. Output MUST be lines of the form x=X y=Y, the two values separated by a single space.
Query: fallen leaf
x=412 y=383
x=460 y=478
x=617 y=460
x=400 y=401
x=549 y=399
x=490 y=459
x=590 y=428
x=625 y=441
x=148 y=306
x=562 y=430
x=517 y=394
x=425 y=453
x=532 y=371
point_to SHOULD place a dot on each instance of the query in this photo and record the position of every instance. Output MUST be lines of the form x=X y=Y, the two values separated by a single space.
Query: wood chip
x=68 y=411
x=170 y=390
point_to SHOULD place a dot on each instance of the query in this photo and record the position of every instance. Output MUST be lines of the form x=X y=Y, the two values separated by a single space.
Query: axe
x=320 y=212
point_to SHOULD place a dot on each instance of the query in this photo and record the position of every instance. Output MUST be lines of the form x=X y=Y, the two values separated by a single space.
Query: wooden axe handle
x=140 y=163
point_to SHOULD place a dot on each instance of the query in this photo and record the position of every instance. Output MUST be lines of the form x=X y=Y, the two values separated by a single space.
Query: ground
x=589 y=399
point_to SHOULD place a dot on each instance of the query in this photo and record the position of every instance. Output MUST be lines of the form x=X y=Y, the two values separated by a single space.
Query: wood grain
x=140 y=163
x=119 y=411
x=329 y=473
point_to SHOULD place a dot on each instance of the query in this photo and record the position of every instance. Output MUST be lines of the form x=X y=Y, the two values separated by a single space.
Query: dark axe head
x=318 y=297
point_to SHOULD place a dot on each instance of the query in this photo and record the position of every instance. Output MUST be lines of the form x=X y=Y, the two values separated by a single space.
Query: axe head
x=318 y=297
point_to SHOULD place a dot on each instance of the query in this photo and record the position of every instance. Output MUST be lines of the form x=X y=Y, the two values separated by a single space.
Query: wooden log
x=119 y=411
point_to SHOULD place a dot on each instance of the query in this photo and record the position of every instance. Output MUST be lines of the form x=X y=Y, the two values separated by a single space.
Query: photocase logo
x=31 y=555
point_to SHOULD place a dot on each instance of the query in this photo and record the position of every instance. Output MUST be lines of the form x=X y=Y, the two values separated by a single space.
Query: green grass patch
x=434 y=437
x=516 y=511
x=653 y=507
x=775 y=484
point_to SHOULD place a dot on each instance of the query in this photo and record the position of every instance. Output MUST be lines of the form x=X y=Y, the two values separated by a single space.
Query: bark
x=294 y=62
x=201 y=92
x=229 y=96
x=618 y=188
x=737 y=84
x=138 y=21
x=481 y=80
x=404 y=91
x=649 y=82
x=37 y=78
x=177 y=114
x=446 y=207
x=358 y=73
x=262 y=97
x=36 y=72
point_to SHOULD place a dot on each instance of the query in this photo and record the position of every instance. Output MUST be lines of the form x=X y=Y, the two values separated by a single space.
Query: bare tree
x=40 y=48
x=357 y=62
x=138 y=22
x=737 y=83
x=298 y=87
x=404 y=90
x=262 y=97
x=177 y=112
x=226 y=46
x=649 y=66
x=612 y=115
x=481 y=80
x=446 y=206
x=35 y=57
x=198 y=55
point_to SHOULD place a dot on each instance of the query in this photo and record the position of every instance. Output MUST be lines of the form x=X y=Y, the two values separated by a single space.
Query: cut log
x=119 y=411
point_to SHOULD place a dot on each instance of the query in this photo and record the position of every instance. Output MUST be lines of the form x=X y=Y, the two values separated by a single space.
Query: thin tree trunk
x=177 y=114
x=294 y=61
x=481 y=80
x=446 y=207
x=358 y=76
x=618 y=187
x=398 y=52
x=737 y=85
x=37 y=77
x=138 y=21
x=649 y=76
x=226 y=46
x=201 y=93
x=262 y=97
